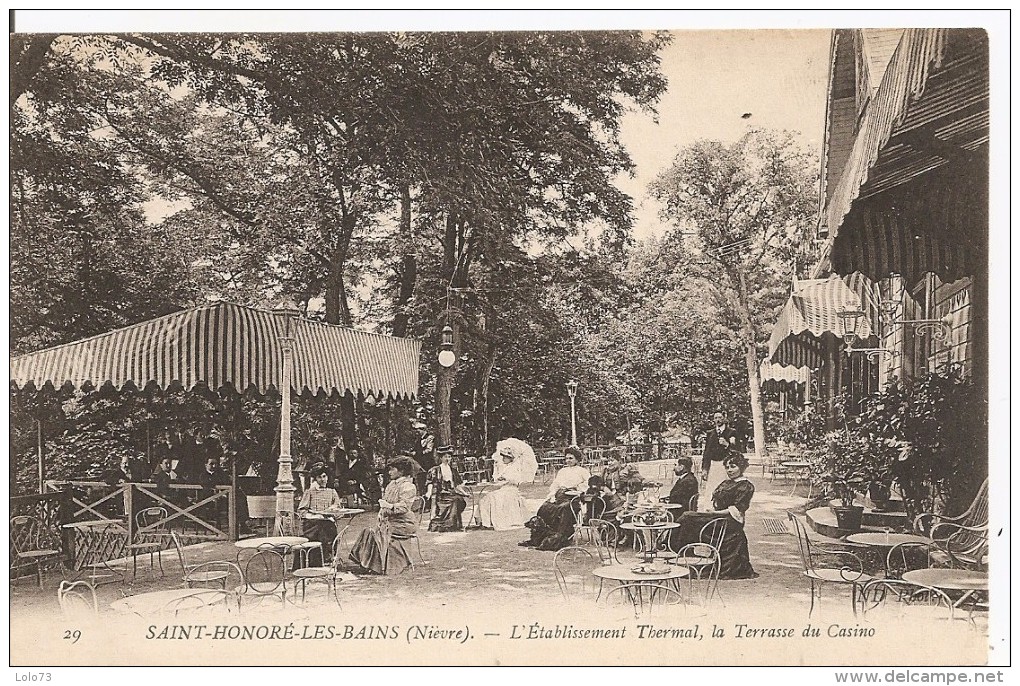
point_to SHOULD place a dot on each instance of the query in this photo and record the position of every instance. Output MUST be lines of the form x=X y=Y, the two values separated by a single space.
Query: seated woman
x=443 y=488
x=730 y=500
x=553 y=526
x=611 y=474
x=502 y=509
x=319 y=497
x=376 y=551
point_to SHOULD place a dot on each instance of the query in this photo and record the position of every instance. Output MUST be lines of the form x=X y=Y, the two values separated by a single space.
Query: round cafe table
x=626 y=573
x=270 y=541
x=280 y=544
x=342 y=517
x=886 y=541
x=155 y=601
x=475 y=491
x=949 y=579
x=966 y=580
x=649 y=535
x=801 y=472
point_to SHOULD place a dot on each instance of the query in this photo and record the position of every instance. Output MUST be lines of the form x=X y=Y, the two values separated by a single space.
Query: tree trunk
x=757 y=416
x=338 y=312
x=751 y=361
x=445 y=376
x=490 y=362
x=408 y=267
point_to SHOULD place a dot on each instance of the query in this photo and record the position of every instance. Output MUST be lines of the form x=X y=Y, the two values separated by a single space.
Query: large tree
x=744 y=209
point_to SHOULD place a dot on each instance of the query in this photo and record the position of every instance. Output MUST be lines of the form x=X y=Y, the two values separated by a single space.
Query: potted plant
x=845 y=467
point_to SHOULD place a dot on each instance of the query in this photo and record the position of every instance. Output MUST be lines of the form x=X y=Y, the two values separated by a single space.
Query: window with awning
x=808 y=317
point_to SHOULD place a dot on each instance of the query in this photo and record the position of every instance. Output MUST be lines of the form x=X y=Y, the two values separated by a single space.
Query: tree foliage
x=745 y=209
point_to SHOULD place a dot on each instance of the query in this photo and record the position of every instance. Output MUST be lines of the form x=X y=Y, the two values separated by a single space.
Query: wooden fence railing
x=191 y=510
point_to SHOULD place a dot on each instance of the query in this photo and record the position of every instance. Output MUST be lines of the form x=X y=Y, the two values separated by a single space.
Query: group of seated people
x=575 y=490
x=377 y=549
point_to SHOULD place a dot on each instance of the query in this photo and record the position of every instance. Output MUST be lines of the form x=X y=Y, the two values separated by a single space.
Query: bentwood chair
x=77 y=599
x=265 y=576
x=606 y=538
x=213 y=572
x=150 y=538
x=328 y=574
x=850 y=571
x=586 y=509
x=966 y=546
x=30 y=548
x=904 y=557
x=572 y=567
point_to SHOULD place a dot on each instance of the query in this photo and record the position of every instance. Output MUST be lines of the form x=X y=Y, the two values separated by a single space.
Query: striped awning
x=779 y=373
x=939 y=225
x=223 y=344
x=810 y=314
x=904 y=80
x=913 y=196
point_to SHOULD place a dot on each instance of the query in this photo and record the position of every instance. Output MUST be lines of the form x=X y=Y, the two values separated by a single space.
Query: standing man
x=721 y=439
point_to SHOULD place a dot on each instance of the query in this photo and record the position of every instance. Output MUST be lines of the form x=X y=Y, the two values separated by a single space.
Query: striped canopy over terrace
x=808 y=316
x=224 y=343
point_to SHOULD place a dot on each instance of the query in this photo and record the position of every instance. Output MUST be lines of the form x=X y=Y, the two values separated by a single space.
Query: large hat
x=444 y=449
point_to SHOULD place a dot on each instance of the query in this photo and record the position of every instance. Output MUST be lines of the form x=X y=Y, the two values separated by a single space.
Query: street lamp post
x=572 y=392
x=284 y=476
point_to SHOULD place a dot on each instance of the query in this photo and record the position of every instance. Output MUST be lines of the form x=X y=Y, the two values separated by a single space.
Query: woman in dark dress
x=730 y=500
x=444 y=490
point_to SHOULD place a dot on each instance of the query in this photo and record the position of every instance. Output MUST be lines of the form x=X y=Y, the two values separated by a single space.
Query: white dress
x=503 y=508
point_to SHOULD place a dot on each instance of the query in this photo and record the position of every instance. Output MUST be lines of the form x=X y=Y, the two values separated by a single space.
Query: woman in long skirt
x=444 y=489
x=375 y=551
x=730 y=501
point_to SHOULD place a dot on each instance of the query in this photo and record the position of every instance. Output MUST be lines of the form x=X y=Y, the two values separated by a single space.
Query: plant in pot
x=846 y=470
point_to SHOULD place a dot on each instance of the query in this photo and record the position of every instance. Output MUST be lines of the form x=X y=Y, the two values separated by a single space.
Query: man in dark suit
x=685 y=490
x=720 y=441
x=354 y=477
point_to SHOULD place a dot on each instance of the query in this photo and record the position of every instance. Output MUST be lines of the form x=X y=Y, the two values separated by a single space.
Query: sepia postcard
x=510 y=338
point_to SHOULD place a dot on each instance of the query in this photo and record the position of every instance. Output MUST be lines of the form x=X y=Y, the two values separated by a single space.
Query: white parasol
x=523 y=456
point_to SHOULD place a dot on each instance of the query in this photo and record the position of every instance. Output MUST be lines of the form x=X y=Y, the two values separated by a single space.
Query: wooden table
x=154 y=602
x=648 y=535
